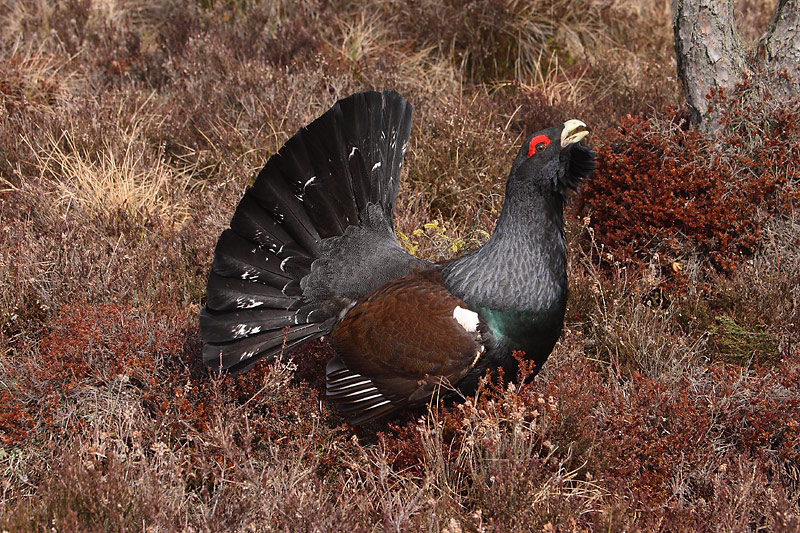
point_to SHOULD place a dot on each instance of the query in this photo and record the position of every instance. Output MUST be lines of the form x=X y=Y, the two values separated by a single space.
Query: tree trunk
x=709 y=54
x=711 y=58
x=780 y=49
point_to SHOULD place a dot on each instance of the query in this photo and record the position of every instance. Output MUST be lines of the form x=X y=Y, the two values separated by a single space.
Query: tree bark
x=709 y=54
x=780 y=49
x=711 y=57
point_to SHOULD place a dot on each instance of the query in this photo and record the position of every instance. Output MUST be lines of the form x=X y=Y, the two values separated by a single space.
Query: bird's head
x=554 y=160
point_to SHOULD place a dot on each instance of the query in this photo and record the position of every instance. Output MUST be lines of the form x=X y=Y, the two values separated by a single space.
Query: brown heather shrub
x=664 y=193
x=88 y=346
x=571 y=52
x=49 y=262
x=87 y=495
x=681 y=445
x=14 y=419
x=625 y=320
x=459 y=151
x=575 y=444
x=516 y=450
x=581 y=439
x=763 y=295
x=116 y=385
x=95 y=346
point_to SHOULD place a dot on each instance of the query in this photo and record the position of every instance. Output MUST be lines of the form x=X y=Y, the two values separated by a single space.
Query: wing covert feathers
x=398 y=345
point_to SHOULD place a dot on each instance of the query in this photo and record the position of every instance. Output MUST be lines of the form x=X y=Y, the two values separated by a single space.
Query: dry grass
x=111 y=183
x=128 y=131
x=631 y=329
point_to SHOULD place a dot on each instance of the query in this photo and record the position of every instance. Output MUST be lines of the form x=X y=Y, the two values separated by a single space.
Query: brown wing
x=398 y=345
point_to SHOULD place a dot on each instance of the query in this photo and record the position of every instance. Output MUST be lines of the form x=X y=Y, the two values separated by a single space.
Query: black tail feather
x=317 y=185
x=253 y=223
x=234 y=325
x=325 y=144
x=354 y=131
x=235 y=256
x=239 y=355
x=276 y=198
x=228 y=294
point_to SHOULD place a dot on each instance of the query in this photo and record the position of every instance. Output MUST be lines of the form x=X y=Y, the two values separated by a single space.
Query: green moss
x=738 y=344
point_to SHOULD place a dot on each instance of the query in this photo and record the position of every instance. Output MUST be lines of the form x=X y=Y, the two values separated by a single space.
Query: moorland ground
x=129 y=130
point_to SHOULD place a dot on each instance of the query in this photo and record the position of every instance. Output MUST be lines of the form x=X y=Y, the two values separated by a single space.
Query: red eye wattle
x=537 y=144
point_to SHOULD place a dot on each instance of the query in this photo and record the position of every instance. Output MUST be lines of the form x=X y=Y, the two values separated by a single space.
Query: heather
x=128 y=132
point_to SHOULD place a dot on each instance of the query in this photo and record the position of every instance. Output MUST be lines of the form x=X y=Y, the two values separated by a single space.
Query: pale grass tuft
x=362 y=37
x=24 y=15
x=429 y=69
x=114 y=181
x=548 y=78
x=632 y=335
x=19 y=15
x=115 y=13
x=577 y=31
x=33 y=76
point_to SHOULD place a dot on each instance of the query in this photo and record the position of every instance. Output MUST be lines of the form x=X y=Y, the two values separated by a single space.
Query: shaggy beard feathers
x=582 y=162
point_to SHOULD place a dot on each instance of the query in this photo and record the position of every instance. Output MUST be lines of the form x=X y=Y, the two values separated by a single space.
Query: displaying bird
x=311 y=252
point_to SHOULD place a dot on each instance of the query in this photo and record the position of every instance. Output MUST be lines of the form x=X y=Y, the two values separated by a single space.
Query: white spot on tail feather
x=333 y=383
x=468 y=319
x=247 y=355
x=309 y=182
x=376 y=166
x=384 y=402
x=247 y=303
x=353 y=152
x=250 y=274
x=356 y=393
x=243 y=330
x=371 y=397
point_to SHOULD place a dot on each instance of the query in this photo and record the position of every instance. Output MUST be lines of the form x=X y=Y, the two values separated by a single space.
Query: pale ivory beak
x=574 y=131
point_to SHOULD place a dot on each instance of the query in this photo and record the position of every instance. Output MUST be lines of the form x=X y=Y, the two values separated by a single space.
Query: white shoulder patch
x=468 y=319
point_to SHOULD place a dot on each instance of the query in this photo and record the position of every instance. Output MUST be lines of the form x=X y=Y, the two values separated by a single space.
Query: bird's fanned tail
x=339 y=172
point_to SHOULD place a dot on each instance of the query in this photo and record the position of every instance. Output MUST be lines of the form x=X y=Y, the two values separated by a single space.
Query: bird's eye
x=537 y=144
